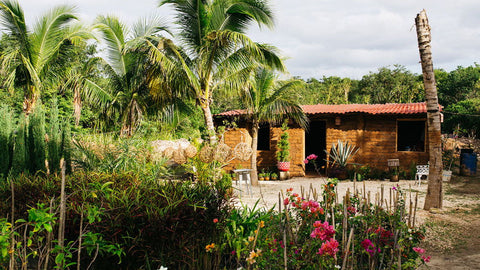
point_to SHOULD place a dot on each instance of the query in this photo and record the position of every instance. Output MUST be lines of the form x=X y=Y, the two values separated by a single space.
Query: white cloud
x=335 y=37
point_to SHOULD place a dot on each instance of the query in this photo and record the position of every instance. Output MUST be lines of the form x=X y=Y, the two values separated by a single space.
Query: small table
x=244 y=175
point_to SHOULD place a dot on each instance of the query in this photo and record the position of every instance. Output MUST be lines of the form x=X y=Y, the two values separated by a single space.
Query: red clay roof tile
x=389 y=108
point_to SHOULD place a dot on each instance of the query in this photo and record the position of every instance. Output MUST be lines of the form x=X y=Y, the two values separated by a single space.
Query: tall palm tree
x=29 y=63
x=434 y=198
x=266 y=102
x=130 y=72
x=217 y=52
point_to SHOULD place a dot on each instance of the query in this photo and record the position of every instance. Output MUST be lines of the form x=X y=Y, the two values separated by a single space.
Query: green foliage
x=6 y=133
x=340 y=153
x=283 y=145
x=36 y=141
x=129 y=212
x=464 y=115
x=66 y=146
x=389 y=86
x=102 y=153
x=19 y=158
x=54 y=140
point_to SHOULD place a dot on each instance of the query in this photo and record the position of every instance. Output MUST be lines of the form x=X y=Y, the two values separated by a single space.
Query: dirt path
x=453 y=233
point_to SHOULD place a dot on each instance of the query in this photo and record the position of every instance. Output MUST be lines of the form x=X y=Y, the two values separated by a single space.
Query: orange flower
x=210 y=247
x=251 y=238
x=262 y=224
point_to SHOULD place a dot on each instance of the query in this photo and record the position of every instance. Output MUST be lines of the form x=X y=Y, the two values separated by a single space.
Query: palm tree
x=130 y=72
x=434 y=198
x=28 y=64
x=217 y=53
x=266 y=102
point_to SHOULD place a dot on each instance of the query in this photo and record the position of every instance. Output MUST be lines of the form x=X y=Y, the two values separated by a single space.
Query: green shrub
x=155 y=222
x=54 y=140
x=6 y=133
x=66 y=146
x=37 y=150
x=19 y=158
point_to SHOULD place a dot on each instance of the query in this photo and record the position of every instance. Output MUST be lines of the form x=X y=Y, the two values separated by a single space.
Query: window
x=411 y=136
x=264 y=137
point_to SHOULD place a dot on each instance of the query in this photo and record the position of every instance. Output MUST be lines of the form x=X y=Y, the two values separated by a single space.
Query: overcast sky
x=346 y=38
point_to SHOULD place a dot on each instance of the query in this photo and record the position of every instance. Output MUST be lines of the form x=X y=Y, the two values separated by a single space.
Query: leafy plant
x=341 y=153
x=283 y=145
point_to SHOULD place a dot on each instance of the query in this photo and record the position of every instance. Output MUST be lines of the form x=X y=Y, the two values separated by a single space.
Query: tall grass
x=6 y=133
x=37 y=151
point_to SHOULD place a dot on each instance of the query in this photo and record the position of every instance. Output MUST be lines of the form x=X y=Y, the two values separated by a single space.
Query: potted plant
x=338 y=157
x=261 y=176
x=283 y=153
x=267 y=176
x=394 y=175
x=274 y=176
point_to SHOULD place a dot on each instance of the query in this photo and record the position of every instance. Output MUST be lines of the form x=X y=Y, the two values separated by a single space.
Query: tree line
x=145 y=82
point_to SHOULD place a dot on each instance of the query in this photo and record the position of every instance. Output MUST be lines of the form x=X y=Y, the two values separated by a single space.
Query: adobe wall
x=266 y=159
x=376 y=138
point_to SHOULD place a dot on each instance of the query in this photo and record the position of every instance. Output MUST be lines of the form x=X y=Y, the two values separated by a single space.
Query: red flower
x=215 y=220
x=426 y=259
x=330 y=247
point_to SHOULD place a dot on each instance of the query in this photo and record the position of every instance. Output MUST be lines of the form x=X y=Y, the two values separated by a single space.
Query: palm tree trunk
x=434 y=191
x=207 y=115
x=77 y=106
x=253 y=160
x=29 y=100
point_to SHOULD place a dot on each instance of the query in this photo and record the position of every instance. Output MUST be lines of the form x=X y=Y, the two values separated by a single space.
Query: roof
x=389 y=108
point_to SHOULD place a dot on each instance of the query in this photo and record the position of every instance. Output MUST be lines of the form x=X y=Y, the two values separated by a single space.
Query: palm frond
x=113 y=32
x=49 y=34
x=193 y=20
x=243 y=12
x=12 y=19
x=94 y=94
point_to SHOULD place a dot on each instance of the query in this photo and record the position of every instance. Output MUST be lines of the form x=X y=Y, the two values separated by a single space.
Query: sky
x=345 y=38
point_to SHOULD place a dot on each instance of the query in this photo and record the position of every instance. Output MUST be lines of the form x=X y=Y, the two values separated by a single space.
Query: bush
x=156 y=223
x=311 y=234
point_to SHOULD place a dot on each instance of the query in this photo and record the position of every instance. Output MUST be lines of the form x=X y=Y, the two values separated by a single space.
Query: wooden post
x=434 y=192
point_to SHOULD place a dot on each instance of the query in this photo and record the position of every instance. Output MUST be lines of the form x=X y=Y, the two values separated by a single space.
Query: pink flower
x=419 y=250
x=426 y=259
x=312 y=156
x=369 y=247
x=286 y=201
x=394 y=188
x=366 y=243
x=305 y=161
x=322 y=231
x=330 y=247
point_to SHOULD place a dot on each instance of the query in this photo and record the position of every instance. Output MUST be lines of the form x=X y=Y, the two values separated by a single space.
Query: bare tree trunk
x=434 y=192
x=61 y=220
x=77 y=106
x=253 y=160
x=207 y=115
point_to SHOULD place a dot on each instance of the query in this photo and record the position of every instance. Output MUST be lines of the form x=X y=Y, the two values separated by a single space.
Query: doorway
x=316 y=143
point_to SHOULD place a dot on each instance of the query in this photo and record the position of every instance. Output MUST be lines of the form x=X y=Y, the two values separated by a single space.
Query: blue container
x=468 y=162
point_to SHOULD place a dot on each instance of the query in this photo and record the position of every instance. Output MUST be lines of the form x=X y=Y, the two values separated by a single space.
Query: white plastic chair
x=243 y=175
x=422 y=170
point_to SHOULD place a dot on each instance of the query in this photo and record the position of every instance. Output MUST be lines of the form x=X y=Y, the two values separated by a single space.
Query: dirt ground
x=452 y=233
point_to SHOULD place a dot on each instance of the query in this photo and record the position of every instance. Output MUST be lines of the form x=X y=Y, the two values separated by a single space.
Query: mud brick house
x=380 y=131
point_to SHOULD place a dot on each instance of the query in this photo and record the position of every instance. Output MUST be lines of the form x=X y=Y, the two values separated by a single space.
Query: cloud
x=335 y=37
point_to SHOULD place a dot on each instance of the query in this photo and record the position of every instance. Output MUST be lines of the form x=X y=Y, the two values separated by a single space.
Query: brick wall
x=376 y=138
x=266 y=159
x=374 y=135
